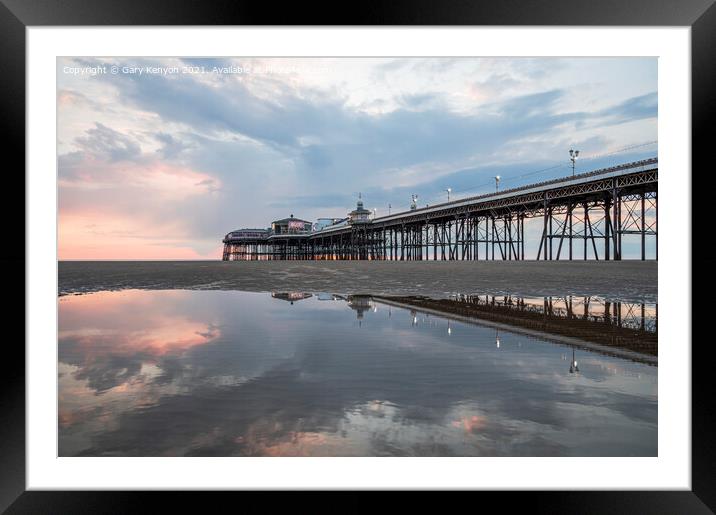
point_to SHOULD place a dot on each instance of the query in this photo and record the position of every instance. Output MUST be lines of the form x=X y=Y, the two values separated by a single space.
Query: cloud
x=171 y=146
x=493 y=87
x=258 y=144
x=103 y=142
x=635 y=108
x=67 y=98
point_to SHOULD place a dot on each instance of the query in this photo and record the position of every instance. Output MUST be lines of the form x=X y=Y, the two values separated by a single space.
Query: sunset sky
x=162 y=164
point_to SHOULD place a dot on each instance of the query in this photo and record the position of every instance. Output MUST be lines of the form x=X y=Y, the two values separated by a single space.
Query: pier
x=584 y=216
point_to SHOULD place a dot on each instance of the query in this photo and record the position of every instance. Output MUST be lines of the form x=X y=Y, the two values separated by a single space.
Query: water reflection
x=619 y=325
x=573 y=367
x=360 y=304
x=153 y=373
x=632 y=315
x=291 y=297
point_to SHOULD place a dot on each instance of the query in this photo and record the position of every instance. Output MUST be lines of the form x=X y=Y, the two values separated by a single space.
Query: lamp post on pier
x=573 y=156
x=414 y=203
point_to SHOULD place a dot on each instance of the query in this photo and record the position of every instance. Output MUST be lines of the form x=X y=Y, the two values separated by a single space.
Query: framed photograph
x=420 y=249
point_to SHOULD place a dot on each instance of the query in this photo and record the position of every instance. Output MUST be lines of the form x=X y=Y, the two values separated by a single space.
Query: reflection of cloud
x=308 y=382
x=110 y=350
x=106 y=372
x=68 y=418
x=264 y=438
x=470 y=424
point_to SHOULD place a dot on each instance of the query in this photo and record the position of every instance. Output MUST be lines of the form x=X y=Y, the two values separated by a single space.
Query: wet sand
x=616 y=280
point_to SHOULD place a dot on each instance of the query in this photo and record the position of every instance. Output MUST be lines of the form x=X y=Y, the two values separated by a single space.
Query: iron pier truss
x=586 y=216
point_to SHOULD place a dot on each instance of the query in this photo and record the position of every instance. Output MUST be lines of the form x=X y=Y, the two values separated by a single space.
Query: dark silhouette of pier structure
x=585 y=216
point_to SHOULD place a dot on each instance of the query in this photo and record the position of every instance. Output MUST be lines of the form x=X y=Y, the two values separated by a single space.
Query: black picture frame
x=17 y=15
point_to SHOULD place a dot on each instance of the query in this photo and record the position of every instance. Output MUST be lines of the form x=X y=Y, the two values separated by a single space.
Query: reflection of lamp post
x=497 y=182
x=573 y=156
x=449 y=328
x=573 y=365
x=497 y=338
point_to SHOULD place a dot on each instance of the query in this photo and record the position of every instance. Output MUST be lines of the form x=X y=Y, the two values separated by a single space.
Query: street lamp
x=375 y=211
x=389 y=206
x=497 y=182
x=414 y=204
x=573 y=156
x=448 y=192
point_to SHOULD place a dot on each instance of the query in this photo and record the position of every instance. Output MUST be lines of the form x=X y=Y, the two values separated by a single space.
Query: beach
x=622 y=280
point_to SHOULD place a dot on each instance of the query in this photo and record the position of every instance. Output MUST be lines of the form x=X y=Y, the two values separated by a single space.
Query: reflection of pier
x=580 y=321
x=328 y=296
x=630 y=315
x=291 y=297
x=573 y=366
x=360 y=303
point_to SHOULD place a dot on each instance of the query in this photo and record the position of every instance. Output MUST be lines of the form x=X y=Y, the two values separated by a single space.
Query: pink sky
x=162 y=166
x=110 y=210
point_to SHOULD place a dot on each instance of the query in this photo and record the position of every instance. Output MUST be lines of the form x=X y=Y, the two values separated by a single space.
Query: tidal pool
x=229 y=373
